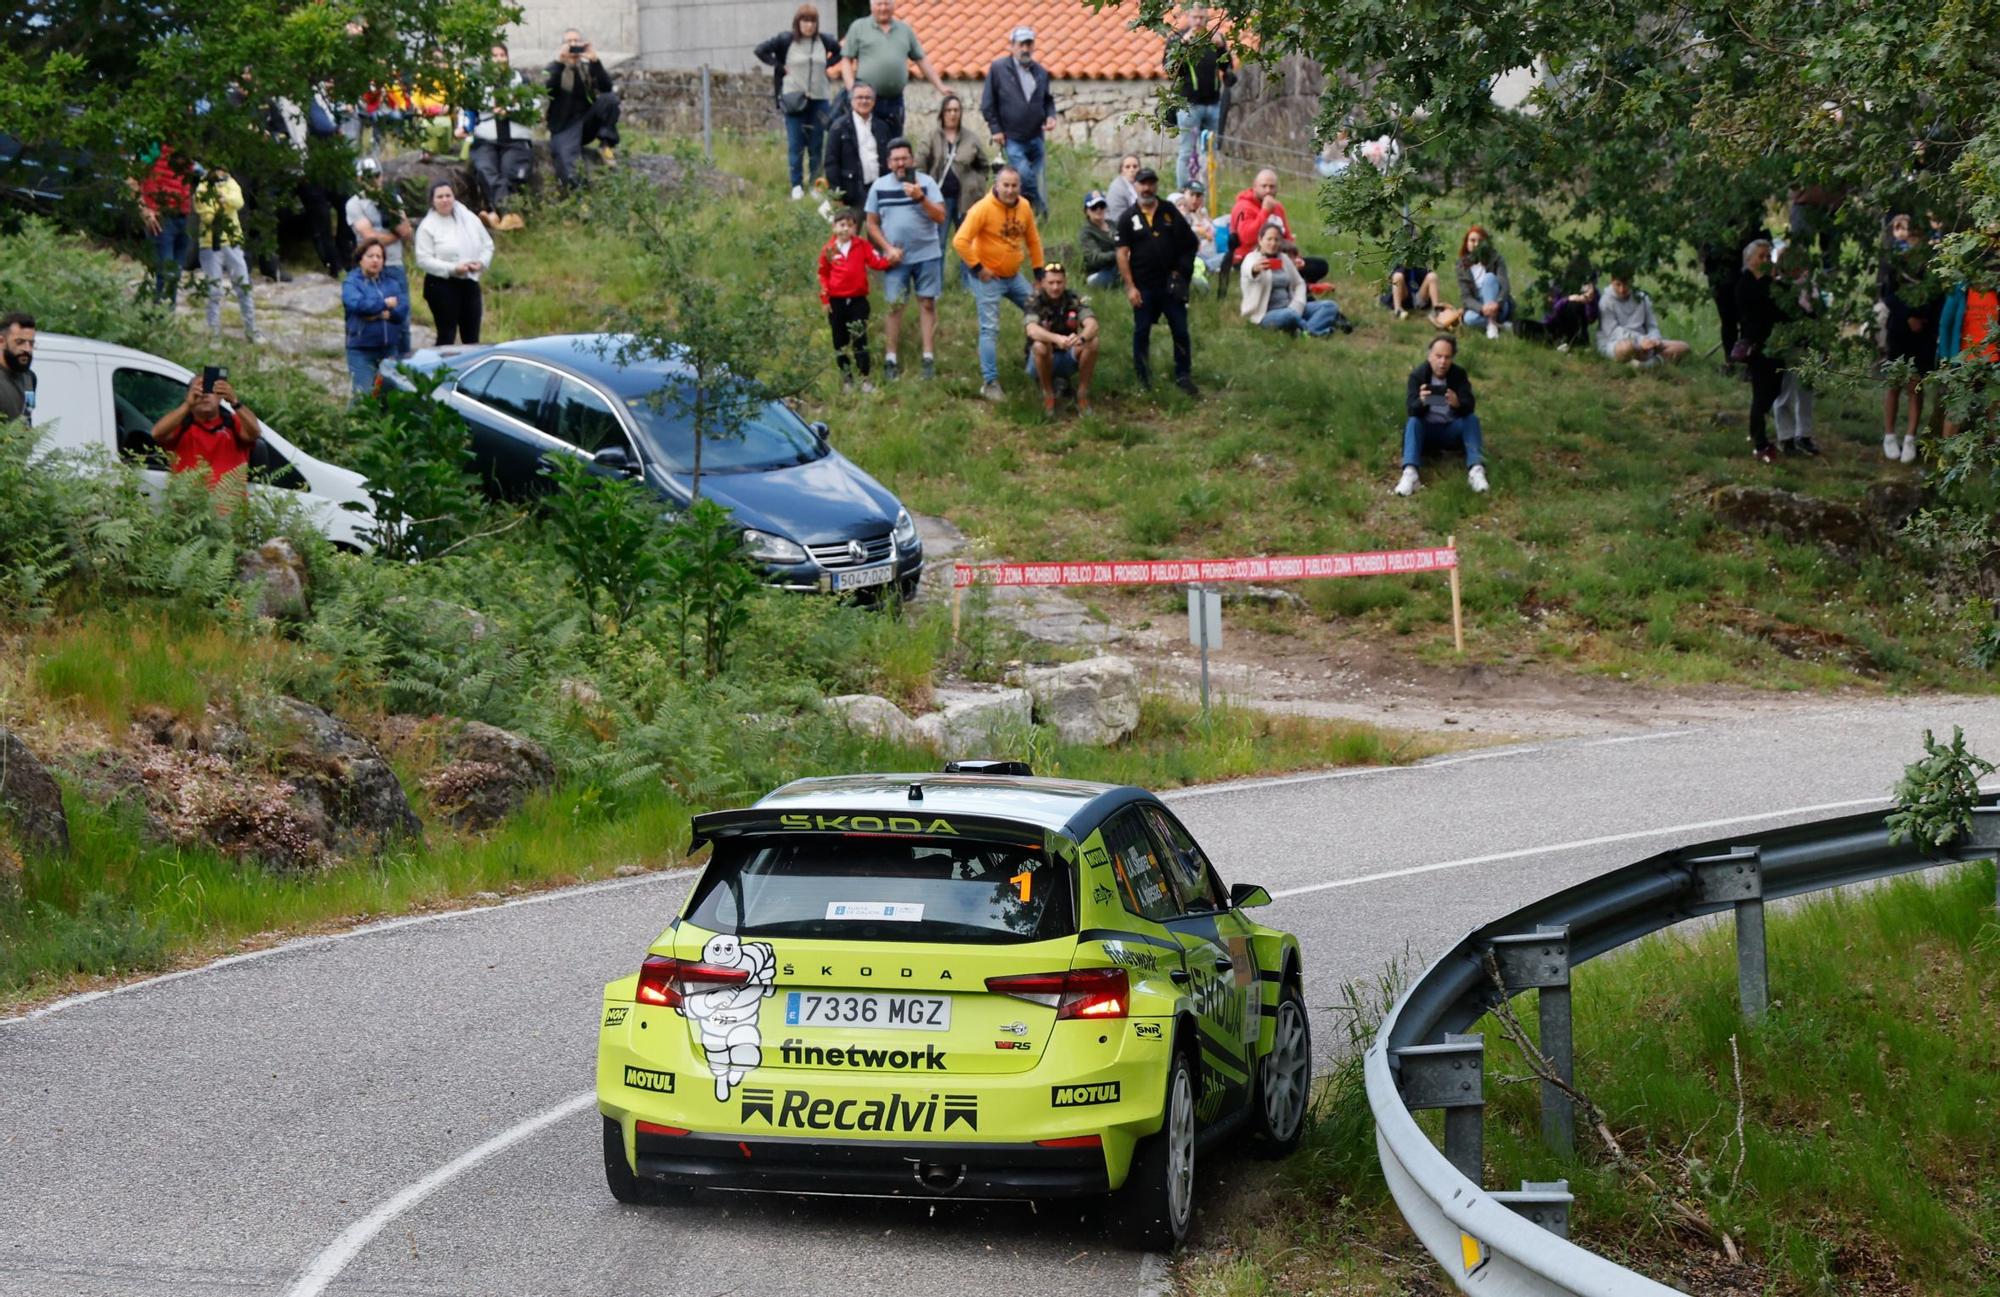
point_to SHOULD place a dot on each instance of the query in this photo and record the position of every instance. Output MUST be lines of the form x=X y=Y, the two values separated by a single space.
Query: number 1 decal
x=1025 y=882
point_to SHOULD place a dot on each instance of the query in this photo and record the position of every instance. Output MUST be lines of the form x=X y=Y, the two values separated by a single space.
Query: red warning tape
x=1313 y=567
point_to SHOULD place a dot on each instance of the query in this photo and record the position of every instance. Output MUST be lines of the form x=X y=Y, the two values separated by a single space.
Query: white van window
x=141 y=398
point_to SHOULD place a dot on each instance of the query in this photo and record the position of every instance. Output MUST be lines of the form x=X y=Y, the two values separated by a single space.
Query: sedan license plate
x=861 y=578
x=867 y=1009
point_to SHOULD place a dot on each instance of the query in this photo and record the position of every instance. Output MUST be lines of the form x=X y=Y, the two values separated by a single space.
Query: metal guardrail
x=1518 y=1242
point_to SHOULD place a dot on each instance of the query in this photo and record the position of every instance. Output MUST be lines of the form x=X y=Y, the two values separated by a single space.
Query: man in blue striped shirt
x=906 y=214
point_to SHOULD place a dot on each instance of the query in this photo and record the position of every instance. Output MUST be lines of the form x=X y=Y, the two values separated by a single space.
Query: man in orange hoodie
x=990 y=241
x=1257 y=207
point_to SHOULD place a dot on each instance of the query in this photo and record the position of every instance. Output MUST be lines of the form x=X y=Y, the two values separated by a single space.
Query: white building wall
x=611 y=25
x=718 y=33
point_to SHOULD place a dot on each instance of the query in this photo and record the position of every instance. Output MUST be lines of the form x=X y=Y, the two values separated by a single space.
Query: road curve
x=358 y=1116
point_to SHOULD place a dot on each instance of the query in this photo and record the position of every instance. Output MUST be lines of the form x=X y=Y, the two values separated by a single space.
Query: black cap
x=1145 y=174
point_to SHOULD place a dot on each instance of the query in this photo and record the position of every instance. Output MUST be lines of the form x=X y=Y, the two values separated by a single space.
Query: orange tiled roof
x=963 y=37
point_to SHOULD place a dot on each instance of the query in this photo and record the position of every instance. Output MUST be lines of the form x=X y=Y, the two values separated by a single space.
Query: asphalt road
x=271 y=1125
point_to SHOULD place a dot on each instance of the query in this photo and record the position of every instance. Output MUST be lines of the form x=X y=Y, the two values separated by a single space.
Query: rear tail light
x=1077 y=993
x=666 y=982
x=1073 y=1141
x=654 y=1128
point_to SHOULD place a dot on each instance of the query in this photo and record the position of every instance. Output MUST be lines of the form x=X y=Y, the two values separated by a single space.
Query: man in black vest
x=1156 y=248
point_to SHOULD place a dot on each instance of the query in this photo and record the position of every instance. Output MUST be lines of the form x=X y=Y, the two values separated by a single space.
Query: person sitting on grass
x=205 y=434
x=1274 y=291
x=1416 y=288
x=1062 y=338
x=1573 y=308
x=844 y=264
x=1627 y=328
x=1440 y=403
x=1192 y=202
x=1485 y=292
x=1098 y=243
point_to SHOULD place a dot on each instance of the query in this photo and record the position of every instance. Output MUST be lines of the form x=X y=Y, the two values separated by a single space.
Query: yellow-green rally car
x=977 y=984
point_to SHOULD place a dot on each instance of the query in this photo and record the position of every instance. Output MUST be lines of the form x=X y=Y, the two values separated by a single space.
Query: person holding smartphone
x=905 y=213
x=1439 y=402
x=583 y=107
x=210 y=429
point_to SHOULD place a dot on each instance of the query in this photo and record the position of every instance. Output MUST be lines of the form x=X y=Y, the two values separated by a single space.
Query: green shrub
x=417 y=458
x=69 y=286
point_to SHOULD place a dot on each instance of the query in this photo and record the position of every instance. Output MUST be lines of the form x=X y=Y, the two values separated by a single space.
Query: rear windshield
x=884 y=889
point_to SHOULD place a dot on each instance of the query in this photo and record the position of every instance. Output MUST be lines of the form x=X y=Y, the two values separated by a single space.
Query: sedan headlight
x=771 y=548
x=906 y=529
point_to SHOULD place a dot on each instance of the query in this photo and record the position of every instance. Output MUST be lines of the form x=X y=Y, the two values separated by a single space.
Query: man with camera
x=1156 y=248
x=1439 y=402
x=17 y=358
x=906 y=216
x=583 y=108
x=210 y=429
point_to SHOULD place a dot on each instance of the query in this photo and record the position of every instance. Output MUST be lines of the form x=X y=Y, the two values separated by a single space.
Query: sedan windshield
x=769 y=436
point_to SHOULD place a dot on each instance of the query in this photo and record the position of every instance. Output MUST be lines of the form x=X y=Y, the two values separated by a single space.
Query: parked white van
x=94 y=395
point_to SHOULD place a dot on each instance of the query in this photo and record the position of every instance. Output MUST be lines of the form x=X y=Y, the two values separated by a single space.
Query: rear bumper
x=892 y=1168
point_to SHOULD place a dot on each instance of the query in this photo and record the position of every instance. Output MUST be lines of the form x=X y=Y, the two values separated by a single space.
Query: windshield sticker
x=727 y=1016
x=892 y=911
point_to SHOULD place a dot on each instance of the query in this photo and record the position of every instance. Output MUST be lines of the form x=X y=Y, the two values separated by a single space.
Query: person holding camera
x=906 y=218
x=210 y=429
x=1156 y=248
x=1439 y=402
x=218 y=204
x=583 y=108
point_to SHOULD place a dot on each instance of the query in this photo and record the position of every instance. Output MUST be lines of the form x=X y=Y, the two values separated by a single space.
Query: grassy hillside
x=1868 y=1162
x=1597 y=549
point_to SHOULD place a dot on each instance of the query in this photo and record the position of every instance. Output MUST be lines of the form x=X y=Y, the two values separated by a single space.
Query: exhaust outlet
x=940 y=1177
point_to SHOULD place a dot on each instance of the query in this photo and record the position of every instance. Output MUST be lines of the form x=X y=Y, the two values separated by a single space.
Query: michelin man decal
x=727 y=1016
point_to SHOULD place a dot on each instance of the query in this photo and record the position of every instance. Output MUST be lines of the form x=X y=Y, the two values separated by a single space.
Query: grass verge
x=1868 y=1161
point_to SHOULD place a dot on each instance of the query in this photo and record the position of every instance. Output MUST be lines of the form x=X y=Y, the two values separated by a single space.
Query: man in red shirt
x=1257 y=207
x=209 y=430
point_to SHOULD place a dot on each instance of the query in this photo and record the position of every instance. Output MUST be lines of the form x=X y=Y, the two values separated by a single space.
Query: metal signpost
x=1204 y=630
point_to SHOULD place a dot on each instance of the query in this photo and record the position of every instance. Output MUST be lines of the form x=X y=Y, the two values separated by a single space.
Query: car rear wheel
x=1154 y=1207
x=625 y=1186
x=1284 y=1080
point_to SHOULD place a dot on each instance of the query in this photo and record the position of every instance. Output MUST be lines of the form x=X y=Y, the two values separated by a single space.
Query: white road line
x=1436 y=763
x=308 y=943
x=326 y=1267
x=1578 y=845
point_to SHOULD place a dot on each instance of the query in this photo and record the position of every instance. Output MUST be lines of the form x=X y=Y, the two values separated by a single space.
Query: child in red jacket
x=844 y=264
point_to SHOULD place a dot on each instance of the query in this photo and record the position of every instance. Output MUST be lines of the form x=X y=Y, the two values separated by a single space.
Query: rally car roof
x=1058 y=804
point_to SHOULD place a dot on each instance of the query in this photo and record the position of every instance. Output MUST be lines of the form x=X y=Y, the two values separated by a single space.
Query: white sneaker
x=1909 y=455
x=1492 y=329
x=1408 y=484
x=992 y=392
x=798 y=192
x=1890 y=449
x=1477 y=476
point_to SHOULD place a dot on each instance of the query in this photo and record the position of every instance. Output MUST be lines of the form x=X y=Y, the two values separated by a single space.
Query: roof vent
x=1020 y=768
x=916 y=792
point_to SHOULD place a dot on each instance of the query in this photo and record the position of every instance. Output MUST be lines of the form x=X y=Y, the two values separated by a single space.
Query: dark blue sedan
x=811 y=517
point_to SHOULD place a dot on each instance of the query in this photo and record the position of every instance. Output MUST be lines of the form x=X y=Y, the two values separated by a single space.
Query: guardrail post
x=1546 y=1203
x=1986 y=833
x=1451 y=1076
x=1737 y=877
x=1541 y=960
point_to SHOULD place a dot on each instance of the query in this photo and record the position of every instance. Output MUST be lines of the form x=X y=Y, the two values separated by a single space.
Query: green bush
x=70 y=286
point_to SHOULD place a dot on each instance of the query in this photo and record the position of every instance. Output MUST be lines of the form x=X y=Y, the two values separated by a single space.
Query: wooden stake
x=1457 y=609
x=957 y=603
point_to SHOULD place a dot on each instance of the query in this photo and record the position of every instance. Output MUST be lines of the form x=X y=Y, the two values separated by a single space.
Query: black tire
x=1284 y=1081
x=1154 y=1207
x=625 y=1186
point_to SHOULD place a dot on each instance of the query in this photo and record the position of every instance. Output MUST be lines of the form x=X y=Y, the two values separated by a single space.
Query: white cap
x=1019 y=34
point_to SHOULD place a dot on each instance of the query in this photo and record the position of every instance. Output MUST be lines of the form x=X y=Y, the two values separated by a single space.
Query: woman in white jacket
x=453 y=251
x=1275 y=294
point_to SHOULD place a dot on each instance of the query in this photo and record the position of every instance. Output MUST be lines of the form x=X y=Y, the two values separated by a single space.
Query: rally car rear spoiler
x=914 y=823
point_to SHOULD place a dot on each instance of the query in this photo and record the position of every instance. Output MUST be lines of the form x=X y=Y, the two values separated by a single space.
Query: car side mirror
x=615 y=459
x=821 y=431
x=1248 y=896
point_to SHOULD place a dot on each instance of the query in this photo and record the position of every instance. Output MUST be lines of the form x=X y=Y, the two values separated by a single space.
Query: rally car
x=977 y=984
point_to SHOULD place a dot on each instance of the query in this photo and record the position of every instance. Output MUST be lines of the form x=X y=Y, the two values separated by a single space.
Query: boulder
x=1095 y=701
x=1803 y=519
x=278 y=574
x=876 y=717
x=31 y=805
x=970 y=720
x=492 y=772
x=1894 y=502
x=339 y=776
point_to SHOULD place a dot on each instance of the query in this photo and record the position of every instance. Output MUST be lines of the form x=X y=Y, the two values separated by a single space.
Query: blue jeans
x=806 y=131
x=1463 y=431
x=1284 y=319
x=890 y=109
x=170 y=250
x=1194 y=119
x=1102 y=279
x=987 y=295
x=362 y=362
x=1321 y=317
x=1026 y=157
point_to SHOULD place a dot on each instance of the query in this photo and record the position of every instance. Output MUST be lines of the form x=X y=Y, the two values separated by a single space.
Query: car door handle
x=1180 y=976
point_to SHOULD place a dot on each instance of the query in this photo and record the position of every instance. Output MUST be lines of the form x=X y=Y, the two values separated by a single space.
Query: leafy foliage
x=708 y=582
x=1935 y=796
x=608 y=529
x=417 y=458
